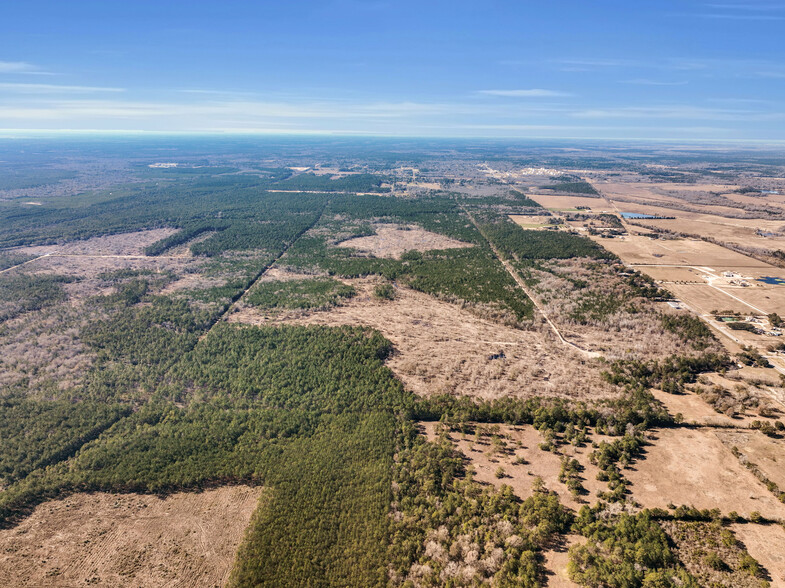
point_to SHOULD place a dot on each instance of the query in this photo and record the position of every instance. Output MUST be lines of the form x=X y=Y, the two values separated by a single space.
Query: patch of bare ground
x=441 y=348
x=693 y=467
x=192 y=282
x=694 y=410
x=556 y=560
x=510 y=455
x=278 y=274
x=393 y=240
x=766 y=543
x=122 y=244
x=766 y=453
x=186 y=539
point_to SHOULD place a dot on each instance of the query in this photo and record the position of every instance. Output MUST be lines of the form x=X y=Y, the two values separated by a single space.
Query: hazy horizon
x=666 y=71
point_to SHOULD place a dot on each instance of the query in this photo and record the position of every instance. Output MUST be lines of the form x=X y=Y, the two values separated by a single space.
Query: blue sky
x=685 y=69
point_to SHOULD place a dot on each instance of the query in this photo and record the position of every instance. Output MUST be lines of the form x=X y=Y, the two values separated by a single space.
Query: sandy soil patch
x=122 y=244
x=187 y=539
x=692 y=466
x=766 y=543
x=441 y=348
x=556 y=560
x=393 y=240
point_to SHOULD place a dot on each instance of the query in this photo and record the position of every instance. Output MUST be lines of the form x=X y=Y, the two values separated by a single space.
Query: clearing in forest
x=693 y=467
x=186 y=539
x=393 y=240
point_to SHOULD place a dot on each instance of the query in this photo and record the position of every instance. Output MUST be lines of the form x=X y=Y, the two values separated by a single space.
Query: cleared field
x=759 y=449
x=441 y=348
x=660 y=195
x=571 y=202
x=394 y=240
x=523 y=442
x=532 y=222
x=766 y=543
x=636 y=249
x=692 y=466
x=704 y=299
x=89 y=267
x=186 y=539
x=122 y=244
x=675 y=274
x=693 y=409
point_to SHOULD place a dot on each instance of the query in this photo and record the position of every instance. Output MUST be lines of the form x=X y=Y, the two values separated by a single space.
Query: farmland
x=382 y=380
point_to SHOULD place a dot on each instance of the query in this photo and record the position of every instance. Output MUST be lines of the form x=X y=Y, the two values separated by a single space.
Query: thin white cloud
x=752 y=7
x=737 y=16
x=680 y=113
x=16 y=67
x=54 y=88
x=22 y=67
x=648 y=82
x=532 y=93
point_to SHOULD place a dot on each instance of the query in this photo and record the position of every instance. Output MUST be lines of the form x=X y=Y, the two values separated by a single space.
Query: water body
x=636 y=215
x=772 y=280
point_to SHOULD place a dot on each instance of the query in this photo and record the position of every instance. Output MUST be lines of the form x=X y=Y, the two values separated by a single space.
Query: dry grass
x=186 y=539
x=766 y=453
x=517 y=451
x=692 y=466
x=393 y=240
x=636 y=249
x=555 y=562
x=766 y=543
x=122 y=244
x=441 y=348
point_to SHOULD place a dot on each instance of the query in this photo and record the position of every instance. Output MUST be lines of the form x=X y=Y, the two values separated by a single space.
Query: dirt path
x=8 y=269
x=522 y=285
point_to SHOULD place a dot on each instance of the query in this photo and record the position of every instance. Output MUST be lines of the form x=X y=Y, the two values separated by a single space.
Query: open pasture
x=693 y=467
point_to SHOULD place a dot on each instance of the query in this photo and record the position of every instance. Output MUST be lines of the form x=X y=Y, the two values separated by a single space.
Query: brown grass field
x=555 y=562
x=766 y=543
x=393 y=240
x=133 y=540
x=692 y=466
x=767 y=453
x=637 y=249
x=557 y=202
